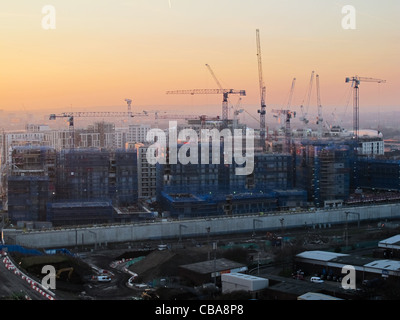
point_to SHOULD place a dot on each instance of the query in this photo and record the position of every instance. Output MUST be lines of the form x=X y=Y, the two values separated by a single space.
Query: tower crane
x=156 y=115
x=224 y=92
x=288 y=134
x=263 y=90
x=72 y=115
x=291 y=93
x=319 y=105
x=355 y=82
x=236 y=112
x=308 y=96
x=202 y=118
x=214 y=76
x=129 y=103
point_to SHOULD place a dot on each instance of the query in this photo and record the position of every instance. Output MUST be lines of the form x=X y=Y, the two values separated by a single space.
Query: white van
x=316 y=280
x=103 y=278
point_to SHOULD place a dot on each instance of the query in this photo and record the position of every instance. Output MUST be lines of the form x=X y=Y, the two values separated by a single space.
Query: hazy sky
x=104 y=51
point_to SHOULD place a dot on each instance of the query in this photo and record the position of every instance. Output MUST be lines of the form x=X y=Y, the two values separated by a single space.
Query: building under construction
x=94 y=174
x=324 y=170
x=30 y=182
x=45 y=185
x=378 y=173
x=188 y=190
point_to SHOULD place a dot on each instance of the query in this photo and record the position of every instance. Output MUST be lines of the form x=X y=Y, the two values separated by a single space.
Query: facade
x=324 y=170
x=41 y=178
x=125 y=192
x=137 y=133
x=379 y=174
x=82 y=174
x=79 y=213
x=27 y=198
x=242 y=282
x=371 y=143
x=146 y=173
x=93 y=174
x=188 y=205
x=30 y=182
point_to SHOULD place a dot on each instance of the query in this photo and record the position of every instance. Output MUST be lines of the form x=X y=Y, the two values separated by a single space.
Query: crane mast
x=308 y=97
x=291 y=93
x=319 y=105
x=355 y=82
x=263 y=90
x=225 y=92
x=288 y=132
x=225 y=107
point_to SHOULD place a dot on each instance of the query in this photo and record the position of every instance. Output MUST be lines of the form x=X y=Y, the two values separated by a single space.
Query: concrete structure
x=325 y=170
x=76 y=213
x=94 y=174
x=137 y=132
x=242 y=282
x=378 y=174
x=199 y=227
x=371 y=143
x=146 y=173
x=207 y=271
x=27 y=198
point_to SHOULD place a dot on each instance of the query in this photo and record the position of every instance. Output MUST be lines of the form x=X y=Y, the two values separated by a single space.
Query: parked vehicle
x=316 y=280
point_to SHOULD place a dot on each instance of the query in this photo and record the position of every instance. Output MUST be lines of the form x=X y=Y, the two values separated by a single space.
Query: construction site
x=101 y=174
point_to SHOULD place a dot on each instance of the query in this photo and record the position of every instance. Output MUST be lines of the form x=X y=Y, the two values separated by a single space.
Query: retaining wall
x=195 y=228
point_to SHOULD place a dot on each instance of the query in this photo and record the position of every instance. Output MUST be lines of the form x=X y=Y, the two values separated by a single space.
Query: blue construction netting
x=22 y=250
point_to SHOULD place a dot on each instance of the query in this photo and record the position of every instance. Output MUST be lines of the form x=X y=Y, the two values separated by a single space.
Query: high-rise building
x=137 y=132
x=30 y=182
x=147 y=173
x=324 y=169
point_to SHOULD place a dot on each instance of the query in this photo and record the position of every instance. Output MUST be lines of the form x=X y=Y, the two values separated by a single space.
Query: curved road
x=11 y=283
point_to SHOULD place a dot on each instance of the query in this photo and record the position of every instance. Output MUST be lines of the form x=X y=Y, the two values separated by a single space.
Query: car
x=103 y=278
x=316 y=280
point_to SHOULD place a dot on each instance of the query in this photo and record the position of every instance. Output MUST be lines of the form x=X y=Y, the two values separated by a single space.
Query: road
x=11 y=283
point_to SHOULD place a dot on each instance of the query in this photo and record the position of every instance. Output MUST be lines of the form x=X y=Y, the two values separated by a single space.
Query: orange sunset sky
x=103 y=51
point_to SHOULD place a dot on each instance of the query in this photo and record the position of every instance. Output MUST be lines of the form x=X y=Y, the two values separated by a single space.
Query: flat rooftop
x=390 y=242
x=205 y=267
x=320 y=255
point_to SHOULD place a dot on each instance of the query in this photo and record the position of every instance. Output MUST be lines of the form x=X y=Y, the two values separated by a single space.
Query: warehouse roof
x=218 y=265
x=392 y=242
x=320 y=255
x=392 y=265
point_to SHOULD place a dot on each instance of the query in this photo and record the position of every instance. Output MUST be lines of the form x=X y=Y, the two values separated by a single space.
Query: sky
x=102 y=52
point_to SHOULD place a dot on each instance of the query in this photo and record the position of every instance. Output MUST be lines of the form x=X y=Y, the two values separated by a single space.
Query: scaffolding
x=27 y=198
x=94 y=174
x=324 y=170
x=378 y=174
x=35 y=167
